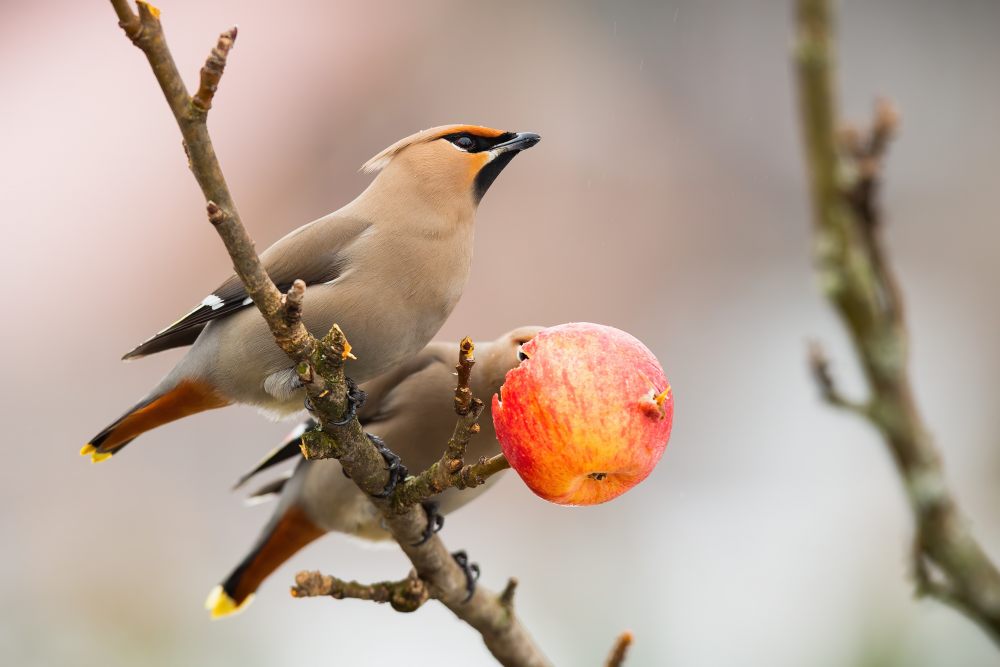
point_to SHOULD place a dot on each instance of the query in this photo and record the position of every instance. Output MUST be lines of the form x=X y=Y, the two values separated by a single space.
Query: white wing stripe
x=212 y=302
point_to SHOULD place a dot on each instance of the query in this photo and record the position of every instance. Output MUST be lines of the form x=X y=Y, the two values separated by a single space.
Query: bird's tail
x=185 y=398
x=283 y=537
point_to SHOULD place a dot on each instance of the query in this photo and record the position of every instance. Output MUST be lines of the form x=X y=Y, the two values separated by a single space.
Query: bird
x=411 y=408
x=388 y=267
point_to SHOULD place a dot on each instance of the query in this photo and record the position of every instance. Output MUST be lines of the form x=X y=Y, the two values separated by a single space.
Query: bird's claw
x=397 y=471
x=355 y=399
x=471 y=571
x=435 y=522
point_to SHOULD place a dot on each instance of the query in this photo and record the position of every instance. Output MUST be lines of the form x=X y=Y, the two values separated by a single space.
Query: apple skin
x=586 y=416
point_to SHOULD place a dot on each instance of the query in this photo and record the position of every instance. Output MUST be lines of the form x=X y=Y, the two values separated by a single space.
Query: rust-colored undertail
x=187 y=398
x=279 y=542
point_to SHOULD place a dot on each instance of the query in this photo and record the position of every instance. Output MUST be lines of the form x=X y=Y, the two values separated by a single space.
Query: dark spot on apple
x=599 y=476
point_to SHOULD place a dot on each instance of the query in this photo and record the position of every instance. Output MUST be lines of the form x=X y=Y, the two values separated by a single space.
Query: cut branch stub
x=292 y=303
x=507 y=595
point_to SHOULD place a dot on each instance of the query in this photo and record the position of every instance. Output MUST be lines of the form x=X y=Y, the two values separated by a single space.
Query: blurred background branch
x=320 y=364
x=619 y=651
x=854 y=273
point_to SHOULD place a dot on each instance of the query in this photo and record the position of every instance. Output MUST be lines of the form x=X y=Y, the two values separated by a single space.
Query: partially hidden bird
x=388 y=267
x=411 y=408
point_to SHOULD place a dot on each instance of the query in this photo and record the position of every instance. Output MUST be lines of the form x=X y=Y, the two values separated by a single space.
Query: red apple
x=586 y=416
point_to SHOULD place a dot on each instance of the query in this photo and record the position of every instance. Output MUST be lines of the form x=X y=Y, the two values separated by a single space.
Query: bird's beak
x=521 y=141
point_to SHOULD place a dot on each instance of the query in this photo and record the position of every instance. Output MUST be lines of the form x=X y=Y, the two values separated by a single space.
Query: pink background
x=667 y=199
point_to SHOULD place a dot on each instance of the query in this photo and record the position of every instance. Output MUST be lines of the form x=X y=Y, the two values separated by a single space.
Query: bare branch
x=463 y=393
x=503 y=633
x=405 y=595
x=291 y=303
x=820 y=366
x=127 y=19
x=327 y=389
x=620 y=650
x=211 y=73
x=858 y=279
x=475 y=474
x=450 y=470
x=320 y=363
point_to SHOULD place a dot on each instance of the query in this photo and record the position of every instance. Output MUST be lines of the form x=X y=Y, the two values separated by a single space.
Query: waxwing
x=412 y=409
x=388 y=267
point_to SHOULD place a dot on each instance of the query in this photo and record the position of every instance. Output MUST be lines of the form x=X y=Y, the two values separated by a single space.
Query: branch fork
x=451 y=470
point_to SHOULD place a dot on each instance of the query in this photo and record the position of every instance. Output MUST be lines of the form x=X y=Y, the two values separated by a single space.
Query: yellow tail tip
x=97 y=457
x=219 y=604
x=87 y=450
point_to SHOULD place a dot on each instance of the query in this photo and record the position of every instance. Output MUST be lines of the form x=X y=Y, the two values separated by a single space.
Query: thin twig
x=451 y=470
x=859 y=281
x=406 y=595
x=211 y=73
x=466 y=360
x=474 y=474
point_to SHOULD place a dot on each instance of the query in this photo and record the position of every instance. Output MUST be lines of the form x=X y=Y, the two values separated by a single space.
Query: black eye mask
x=473 y=143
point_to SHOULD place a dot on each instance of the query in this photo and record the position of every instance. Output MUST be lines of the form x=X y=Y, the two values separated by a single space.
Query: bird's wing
x=382 y=394
x=270 y=490
x=314 y=253
x=289 y=449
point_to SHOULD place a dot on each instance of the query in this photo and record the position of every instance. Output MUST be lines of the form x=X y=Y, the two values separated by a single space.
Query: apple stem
x=662 y=396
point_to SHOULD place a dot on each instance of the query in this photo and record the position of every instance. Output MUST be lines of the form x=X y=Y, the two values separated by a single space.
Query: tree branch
x=856 y=276
x=820 y=367
x=451 y=470
x=405 y=595
x=319 y=363
x=619 y=650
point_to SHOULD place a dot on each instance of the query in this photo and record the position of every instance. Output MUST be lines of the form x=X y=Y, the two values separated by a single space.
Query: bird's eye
x=465 y=143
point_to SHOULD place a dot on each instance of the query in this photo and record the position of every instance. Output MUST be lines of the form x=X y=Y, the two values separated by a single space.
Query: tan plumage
x=388 y=267
x=411 y=408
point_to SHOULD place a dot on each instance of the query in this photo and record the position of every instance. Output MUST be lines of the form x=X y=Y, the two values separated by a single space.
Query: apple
x=586 y=415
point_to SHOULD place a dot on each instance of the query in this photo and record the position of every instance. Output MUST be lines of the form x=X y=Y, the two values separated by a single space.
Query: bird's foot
x=471 y=571
x=435 y=521
x=355 y=399
x=397 y=471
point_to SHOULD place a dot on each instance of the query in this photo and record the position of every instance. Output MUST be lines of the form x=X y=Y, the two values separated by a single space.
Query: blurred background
x=667 y=199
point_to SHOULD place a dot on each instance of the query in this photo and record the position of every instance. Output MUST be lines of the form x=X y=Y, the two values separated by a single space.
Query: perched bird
x=388 y=267
x=411 y=407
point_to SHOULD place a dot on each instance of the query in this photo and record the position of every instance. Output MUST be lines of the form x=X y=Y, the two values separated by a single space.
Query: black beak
x=521 y=141
x=500 y=157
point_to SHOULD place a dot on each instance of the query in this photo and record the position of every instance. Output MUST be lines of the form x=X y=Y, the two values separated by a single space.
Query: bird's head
x=451 y=160
x=495 y=358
